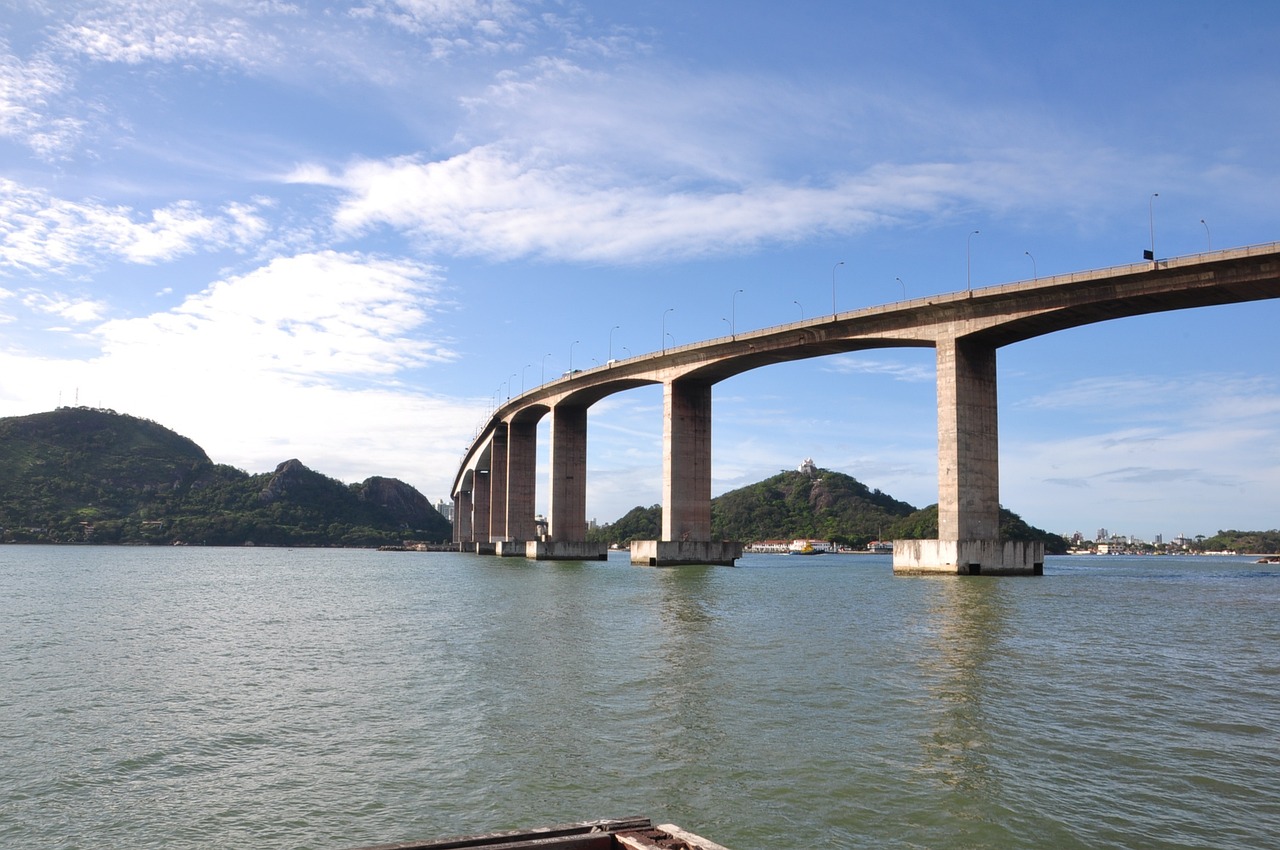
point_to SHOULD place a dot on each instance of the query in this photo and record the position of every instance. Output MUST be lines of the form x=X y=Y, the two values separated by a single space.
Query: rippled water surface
x=184 y=698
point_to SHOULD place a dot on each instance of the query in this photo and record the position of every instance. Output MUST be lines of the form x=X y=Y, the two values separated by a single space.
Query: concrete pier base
x=968 y=557
x=511 y=548
x=564 y=550
x=674 y=553
x=479 y=547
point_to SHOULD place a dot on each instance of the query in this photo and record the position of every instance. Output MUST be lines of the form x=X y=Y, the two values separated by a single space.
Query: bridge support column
x=522 y=473
x=968 y=475
x=567 y=531
x=568 y=503
x=462 y=517
x=498 y=484
x=686 y=484
x=686 y=461
x=480 y=513
x=454 y=523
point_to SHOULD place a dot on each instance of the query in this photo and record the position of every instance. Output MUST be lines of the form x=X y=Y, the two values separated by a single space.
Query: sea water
x=274 y=698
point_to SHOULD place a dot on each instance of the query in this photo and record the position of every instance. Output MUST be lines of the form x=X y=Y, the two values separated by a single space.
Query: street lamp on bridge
x=1035 y=273
x=611 y=330
x=1151 y=222
x=733 y=314
x=571 y=345
x=833 y=286
x=968 y=279
x=544 y=368
x=664 y=327
x=801 y=306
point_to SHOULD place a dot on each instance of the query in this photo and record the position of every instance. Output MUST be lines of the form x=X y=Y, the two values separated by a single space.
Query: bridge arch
x=965 y=329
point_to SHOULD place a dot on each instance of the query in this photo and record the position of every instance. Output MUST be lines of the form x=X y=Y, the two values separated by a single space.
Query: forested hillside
x=78 y=475
x=821 y=505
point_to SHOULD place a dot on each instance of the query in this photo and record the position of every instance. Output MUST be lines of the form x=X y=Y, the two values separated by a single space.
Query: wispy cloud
x=39 y=232
x=491 y=202
x=77 y=310
x=26 y=92
x=137 y=31
x=850 y=365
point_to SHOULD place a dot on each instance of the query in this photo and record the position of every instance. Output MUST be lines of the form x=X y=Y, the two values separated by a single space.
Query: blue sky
x=341 y=232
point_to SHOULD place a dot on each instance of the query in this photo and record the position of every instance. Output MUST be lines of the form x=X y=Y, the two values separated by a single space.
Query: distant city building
x=445 y=509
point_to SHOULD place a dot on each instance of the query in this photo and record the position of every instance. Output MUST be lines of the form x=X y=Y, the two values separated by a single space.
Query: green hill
x=88 y=475
x=824 y=505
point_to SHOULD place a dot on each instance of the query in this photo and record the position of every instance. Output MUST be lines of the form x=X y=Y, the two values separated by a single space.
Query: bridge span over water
x=494 y=489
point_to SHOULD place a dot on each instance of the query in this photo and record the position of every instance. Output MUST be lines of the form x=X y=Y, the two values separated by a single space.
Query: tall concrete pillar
x=480 y=506
x=522 y=473
x=686 y=461
x=968 y=442
x=968 y=477
x=456 y=513
x=568 y=502
x=462 y=518
x=686 y=484
x=498 y=483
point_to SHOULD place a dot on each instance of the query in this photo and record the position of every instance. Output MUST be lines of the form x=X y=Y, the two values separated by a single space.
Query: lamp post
x=1151 y=222
x=510 y=381
x=833 y=287
x=1208 y=236
x=628 y=350
x=801 y=306
x=733 y=314
x=571 y=345
x=1035 y=273
x=611 y=330
x=544 y=368
x=527 y=366
x=904 y=288
x=664 y=327
x=968 y=253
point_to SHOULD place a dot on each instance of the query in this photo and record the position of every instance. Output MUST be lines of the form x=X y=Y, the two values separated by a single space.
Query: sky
x=343 y=232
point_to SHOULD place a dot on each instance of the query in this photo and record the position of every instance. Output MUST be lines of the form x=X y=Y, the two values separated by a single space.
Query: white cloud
x=451 y=25
x=136 y=31
x=304 y=357
x=488 y=201
x=847 y=364
x=26 y=91
x=41 y=233
x=311 y=317
x=78 y=310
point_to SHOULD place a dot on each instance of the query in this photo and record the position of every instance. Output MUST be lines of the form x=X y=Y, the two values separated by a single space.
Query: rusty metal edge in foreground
x=625 y=833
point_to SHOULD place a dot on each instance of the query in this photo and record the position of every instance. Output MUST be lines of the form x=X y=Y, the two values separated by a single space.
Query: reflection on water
x=969 y=617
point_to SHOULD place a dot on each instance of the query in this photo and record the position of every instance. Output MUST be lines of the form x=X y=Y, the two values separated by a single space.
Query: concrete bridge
x=495 y=486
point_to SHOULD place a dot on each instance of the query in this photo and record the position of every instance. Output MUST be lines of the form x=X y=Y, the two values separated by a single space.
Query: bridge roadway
x=494 y=489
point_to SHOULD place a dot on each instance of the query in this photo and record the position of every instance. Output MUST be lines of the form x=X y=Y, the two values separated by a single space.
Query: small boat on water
x=804 y=547
x=623 y=834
